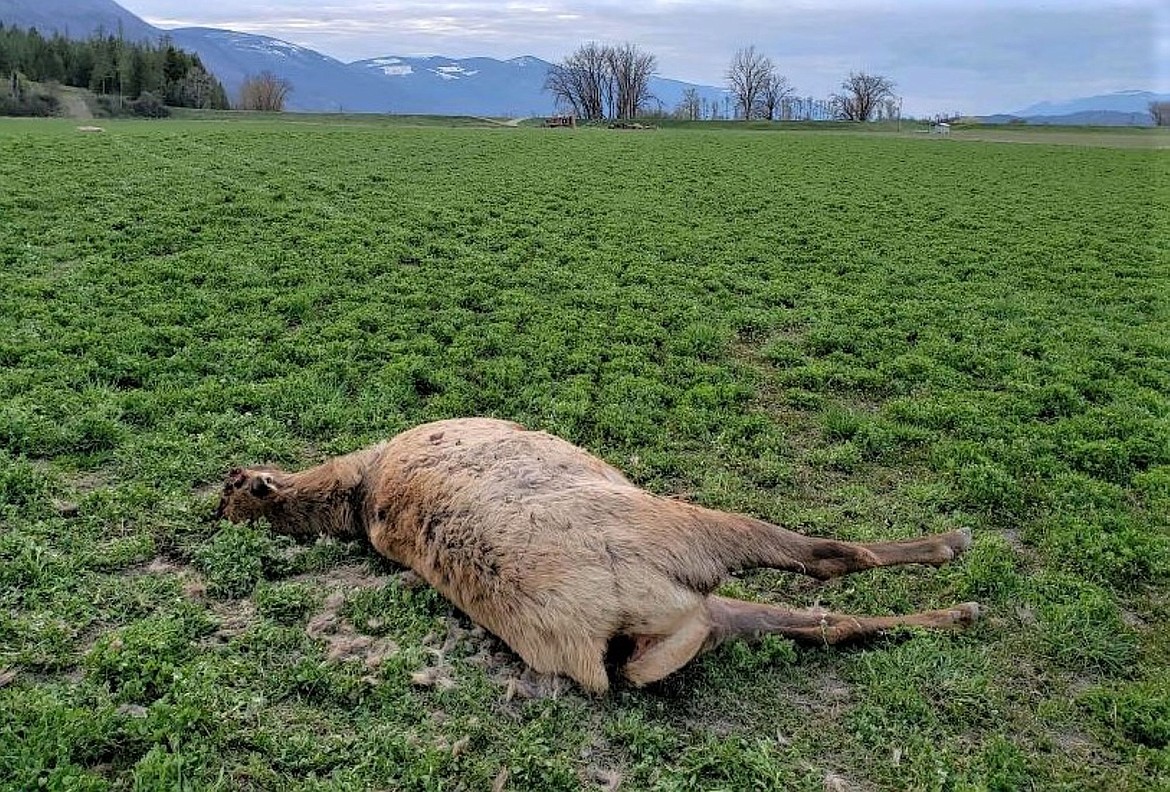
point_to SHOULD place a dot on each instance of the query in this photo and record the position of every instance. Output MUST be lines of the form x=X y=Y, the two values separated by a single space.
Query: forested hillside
x=126 y=71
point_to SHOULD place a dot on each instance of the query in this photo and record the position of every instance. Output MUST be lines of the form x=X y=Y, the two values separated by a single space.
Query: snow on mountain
x=397 y=84
x=487 y=86
x=319 y=83
x=433 y=83
x=467 y=86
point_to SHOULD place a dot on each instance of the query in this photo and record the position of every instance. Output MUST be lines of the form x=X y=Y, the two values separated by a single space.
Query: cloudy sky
x=977 y=56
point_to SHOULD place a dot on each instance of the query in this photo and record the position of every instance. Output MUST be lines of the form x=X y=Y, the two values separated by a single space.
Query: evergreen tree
x=110 y=65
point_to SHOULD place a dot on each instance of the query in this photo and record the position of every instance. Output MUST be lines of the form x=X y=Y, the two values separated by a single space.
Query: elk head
x=250 y=493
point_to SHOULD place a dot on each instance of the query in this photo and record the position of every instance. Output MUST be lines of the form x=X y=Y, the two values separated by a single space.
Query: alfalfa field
x=865 y=336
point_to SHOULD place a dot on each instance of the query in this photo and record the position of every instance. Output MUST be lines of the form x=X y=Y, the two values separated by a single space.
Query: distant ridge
x=1088 y=118
x=487 y=86
x=77 y=18
x=1117 y=102
x=391 y=84
x=437 y=84
x=319 y=83
x=1122 y=108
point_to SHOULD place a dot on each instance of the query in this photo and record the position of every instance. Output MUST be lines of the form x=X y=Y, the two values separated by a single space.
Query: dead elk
x=558 y=554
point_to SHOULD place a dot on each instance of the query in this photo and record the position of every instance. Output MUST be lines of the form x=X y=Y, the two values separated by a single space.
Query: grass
x=861 y=336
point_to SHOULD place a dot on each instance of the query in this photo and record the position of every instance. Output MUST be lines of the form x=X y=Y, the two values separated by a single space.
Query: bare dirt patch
x=193 y=585
x=207 y=491
x=829 y=697
x=353 y=576
x=76 y=488
x=73 y=105
x=85 y=483
x=235 y=617
x=503 y=667
x=603 y=778
x=1072 y=742
x=162 y=566
x=343 y=641
x=836 y=783
x=459 y=636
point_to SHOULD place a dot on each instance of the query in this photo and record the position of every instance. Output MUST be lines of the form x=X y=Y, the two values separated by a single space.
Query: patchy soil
x=494 y=658
x=343 y=640
x=829 y=697
x=235 y=617
x=192 y=584
x=458 y=637
x=73 y=105
x=345 y=643
x=601 y=778
x=352 y=576
x=76 y=488
x=89 y=481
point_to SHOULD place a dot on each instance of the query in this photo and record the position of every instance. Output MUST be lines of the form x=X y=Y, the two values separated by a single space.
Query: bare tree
x=776 y=90
x=568 y=90
x=198 y=89
x=862 y=93
x=891 y=108
x=583 y=82
x=630 y=70
x=600 y=81
x=690 y=108
x=265 y=92
x=1160 y=112
x=747 y=77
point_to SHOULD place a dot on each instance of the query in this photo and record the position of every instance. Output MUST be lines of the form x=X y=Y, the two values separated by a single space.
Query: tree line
x=598 y=82
x=132 y=72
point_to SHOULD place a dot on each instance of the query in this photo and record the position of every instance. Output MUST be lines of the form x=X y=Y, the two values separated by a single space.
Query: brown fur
x=557 y=553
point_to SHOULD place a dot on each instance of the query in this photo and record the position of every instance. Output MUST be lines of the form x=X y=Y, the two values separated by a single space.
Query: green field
x=856 y=335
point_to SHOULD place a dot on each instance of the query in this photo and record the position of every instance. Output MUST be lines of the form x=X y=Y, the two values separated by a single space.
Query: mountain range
x=434 y=84
x=1122 y=108
x=76 y=18
x=390 y=84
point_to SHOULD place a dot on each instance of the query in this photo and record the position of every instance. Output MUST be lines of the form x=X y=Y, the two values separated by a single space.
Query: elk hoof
x=956 y=543
x=963 y=539
x=968 y=613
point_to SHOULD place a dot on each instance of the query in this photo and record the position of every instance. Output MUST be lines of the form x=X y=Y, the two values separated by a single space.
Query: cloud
x=990 y=56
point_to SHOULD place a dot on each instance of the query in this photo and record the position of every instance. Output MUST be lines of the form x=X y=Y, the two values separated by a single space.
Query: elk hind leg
x=828 y=558
x=735 y=619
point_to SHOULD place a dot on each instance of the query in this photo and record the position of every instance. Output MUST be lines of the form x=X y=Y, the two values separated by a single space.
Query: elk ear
x=261 y=485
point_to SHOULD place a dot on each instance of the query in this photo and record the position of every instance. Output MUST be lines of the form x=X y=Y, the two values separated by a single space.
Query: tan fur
x=557 y=553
